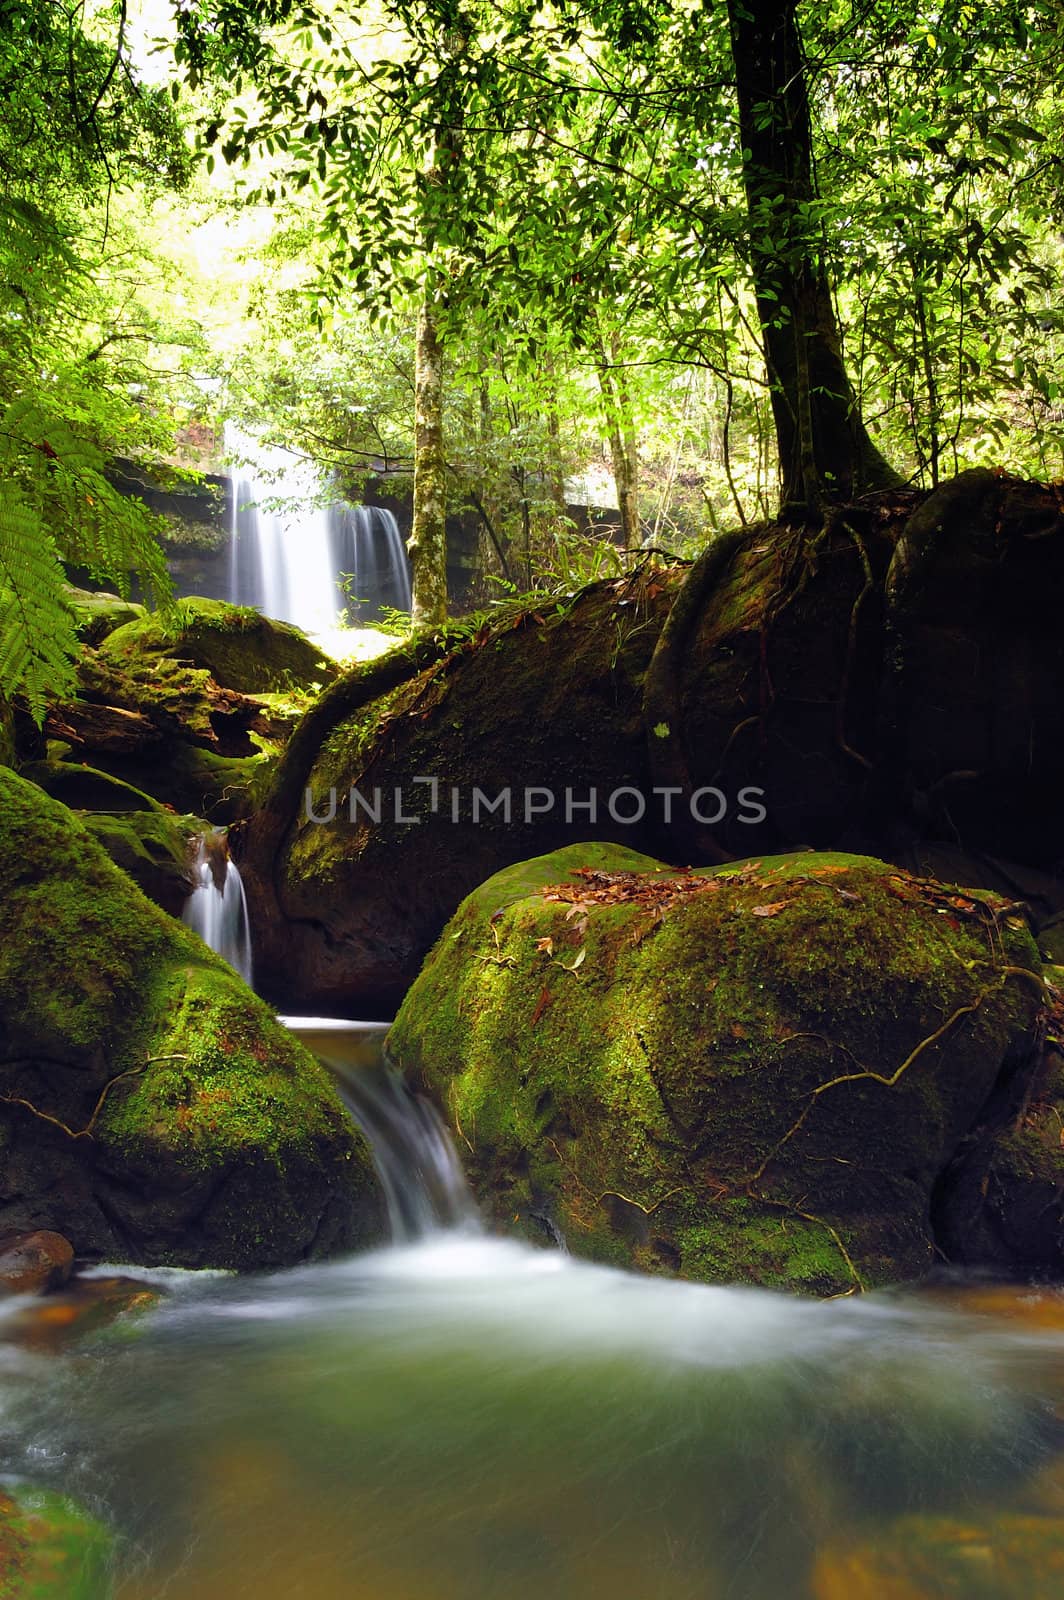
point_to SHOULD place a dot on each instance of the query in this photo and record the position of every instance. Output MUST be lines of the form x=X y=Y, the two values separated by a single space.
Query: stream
x=461 y=1417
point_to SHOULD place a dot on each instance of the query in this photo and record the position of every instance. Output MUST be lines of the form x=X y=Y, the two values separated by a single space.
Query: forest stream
x=461 y=1416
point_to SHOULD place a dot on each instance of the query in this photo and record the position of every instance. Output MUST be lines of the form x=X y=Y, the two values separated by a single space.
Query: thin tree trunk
x=624 y=449
x=428 y=536
x=825 y=452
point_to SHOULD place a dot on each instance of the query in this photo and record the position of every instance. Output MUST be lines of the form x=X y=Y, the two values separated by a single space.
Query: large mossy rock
x=153 y=1108
x=1003 y=1202
x=237 y=645
x=890 y=681
x=543 y=700
x=756 y=1072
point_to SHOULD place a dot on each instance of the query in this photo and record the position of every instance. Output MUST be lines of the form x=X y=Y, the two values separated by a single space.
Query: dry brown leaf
x=769 y=910
x=545 y=999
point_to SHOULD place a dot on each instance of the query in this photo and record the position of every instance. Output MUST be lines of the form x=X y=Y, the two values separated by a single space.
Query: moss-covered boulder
x=147 y=840
x=1002 y=1204
x=98 y=613
x=542 y=701
x=790 y=659
x=237 y=645
x=152 y=1109
x=755 y=1072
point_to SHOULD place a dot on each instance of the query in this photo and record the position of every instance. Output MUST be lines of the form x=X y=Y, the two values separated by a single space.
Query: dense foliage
x=78 y=133
x=629 y=257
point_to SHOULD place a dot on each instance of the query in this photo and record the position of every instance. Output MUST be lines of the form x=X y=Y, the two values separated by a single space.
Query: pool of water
x=467 y=1418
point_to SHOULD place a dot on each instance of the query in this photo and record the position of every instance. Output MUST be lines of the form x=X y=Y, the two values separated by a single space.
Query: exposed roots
x=87 y=1131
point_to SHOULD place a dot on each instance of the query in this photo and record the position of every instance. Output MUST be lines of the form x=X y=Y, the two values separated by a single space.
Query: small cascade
x=302 y=557
x=424 y=1186
x=368 y=549
x=217 y=908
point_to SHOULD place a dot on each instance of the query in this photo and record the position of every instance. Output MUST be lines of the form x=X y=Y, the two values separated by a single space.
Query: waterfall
x=424 y=1186
x=368 y=546
x=217 y=909
x=301 y=556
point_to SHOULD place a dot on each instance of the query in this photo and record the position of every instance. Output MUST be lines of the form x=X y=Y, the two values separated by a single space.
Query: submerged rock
x=50 y=1548
x=753 y=1072
x=1000 y=1556
x=155 y=1110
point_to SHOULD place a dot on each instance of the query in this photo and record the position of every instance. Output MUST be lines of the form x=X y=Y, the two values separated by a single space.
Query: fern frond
x=37 y=639
x=56 y=505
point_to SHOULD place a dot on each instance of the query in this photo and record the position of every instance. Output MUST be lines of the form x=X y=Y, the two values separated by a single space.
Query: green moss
x=216 y=1138
x=224 y=1079
x=197 y=782
x=239 y=647
x=639 y=1057
x=85 y=788
x=97 y=614
x=75 y=934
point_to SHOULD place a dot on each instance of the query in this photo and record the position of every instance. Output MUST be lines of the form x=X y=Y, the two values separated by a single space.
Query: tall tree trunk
x=624 y=448
x=428 y=536
x=824 y=449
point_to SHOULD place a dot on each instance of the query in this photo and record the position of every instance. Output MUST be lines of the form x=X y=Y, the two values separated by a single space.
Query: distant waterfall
x=301 y=558
x=217 y=909
x=367 y=544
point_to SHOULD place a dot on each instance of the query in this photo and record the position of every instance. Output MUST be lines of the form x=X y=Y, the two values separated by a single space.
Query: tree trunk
x=825 y=452
x=428 y=536
x=624 y=448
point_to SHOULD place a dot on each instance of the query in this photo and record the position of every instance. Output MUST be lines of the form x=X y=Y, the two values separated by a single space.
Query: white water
x=220 y=914
x=300 y=555
x=424 y=1186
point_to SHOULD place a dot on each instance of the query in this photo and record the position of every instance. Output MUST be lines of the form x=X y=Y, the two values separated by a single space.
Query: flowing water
x=217 y=908
x=459 y=1417
x=302 y=556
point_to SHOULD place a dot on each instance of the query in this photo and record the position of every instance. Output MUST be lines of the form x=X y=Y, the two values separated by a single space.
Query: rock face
x=153 y=1109
x=888 y=682
x=757 y=1072
x=544 y=702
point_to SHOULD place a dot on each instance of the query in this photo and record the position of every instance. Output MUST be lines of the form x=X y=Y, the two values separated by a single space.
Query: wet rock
x=33 y=1262
x=1000 y=1557
x=50 y=1548
x=751 y=1072
x=155 y=1109
x=83 y=1306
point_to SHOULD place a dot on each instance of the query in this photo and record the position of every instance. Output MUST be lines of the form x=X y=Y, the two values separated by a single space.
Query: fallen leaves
x=545 y=1000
